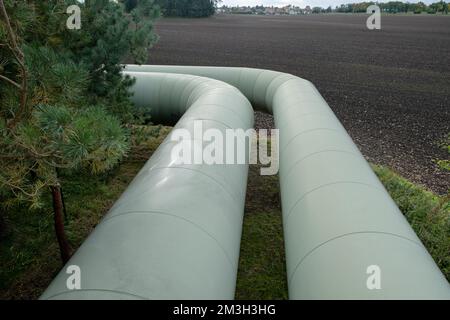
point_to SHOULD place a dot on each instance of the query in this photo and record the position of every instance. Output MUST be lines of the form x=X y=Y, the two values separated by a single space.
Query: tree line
x=396 y=7
x=181 y=8
x=187 y=8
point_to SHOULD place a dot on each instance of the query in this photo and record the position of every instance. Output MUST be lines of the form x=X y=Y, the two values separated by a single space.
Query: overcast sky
x=301 y=3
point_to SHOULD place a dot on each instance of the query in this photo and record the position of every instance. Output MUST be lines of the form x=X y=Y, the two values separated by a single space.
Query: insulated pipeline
x=175 y=232
x=339 y=221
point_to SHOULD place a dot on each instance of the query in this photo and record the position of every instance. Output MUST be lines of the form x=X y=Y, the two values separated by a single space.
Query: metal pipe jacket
x=338 y=218
x=175 y=232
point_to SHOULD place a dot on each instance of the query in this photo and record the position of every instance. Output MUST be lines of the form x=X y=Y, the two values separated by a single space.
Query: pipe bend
x=157 y=258
x=307 y=127
x=192 y=250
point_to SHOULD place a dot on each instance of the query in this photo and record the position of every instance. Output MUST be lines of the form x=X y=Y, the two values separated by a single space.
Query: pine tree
x=63 y=100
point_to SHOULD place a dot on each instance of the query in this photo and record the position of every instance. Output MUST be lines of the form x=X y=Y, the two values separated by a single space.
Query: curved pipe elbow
x=339 y=221
x=175 y=232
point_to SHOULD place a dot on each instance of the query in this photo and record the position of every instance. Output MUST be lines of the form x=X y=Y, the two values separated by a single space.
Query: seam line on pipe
x=178 y=103
x=343 y=236
x=159 y=168
x=239 y=80
x=294 y=78
x=297 y=78
x=180 y=98
x=303 y=132
x=190 y=169
x=104 y=290
x=205 y=94
x=238 y=116
x=159 y=89
x=178 y=81
x=171 y=82
x=163 y=213
x=296 y=98
x=228 y=87
x=261 y=71
x=306 y=114
x=317 y=152
x=200 y=80
x=193 y=118
x=201 y=172
x=325 y=185
x=196 y=87
x=167 y=141
x=223 y=107
x=281 y=74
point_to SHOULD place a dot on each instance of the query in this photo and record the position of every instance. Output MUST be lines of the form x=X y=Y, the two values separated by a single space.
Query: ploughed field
x=390 y=88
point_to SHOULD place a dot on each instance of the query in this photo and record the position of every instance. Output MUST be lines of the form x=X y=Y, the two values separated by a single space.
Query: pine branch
x=18 y=54
x=11 y=33
x=11 y=82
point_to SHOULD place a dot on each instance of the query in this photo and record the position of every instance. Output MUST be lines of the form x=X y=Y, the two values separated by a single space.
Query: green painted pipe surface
x=339 y=221
x=175 y=232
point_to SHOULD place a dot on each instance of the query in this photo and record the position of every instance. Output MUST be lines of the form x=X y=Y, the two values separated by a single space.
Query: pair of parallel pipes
x=175 y=232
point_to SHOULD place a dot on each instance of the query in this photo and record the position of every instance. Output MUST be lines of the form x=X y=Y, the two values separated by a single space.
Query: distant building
x=270 y=10
x=293 y=10
x=261 y=10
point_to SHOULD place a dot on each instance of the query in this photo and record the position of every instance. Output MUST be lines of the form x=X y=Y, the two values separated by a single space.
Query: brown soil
x=389 y=87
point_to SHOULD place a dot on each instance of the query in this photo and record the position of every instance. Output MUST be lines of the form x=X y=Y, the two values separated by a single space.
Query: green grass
x=29 y=255
x=262 y=272
x=428 y=214
x=29 y=252
x=444 y=164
